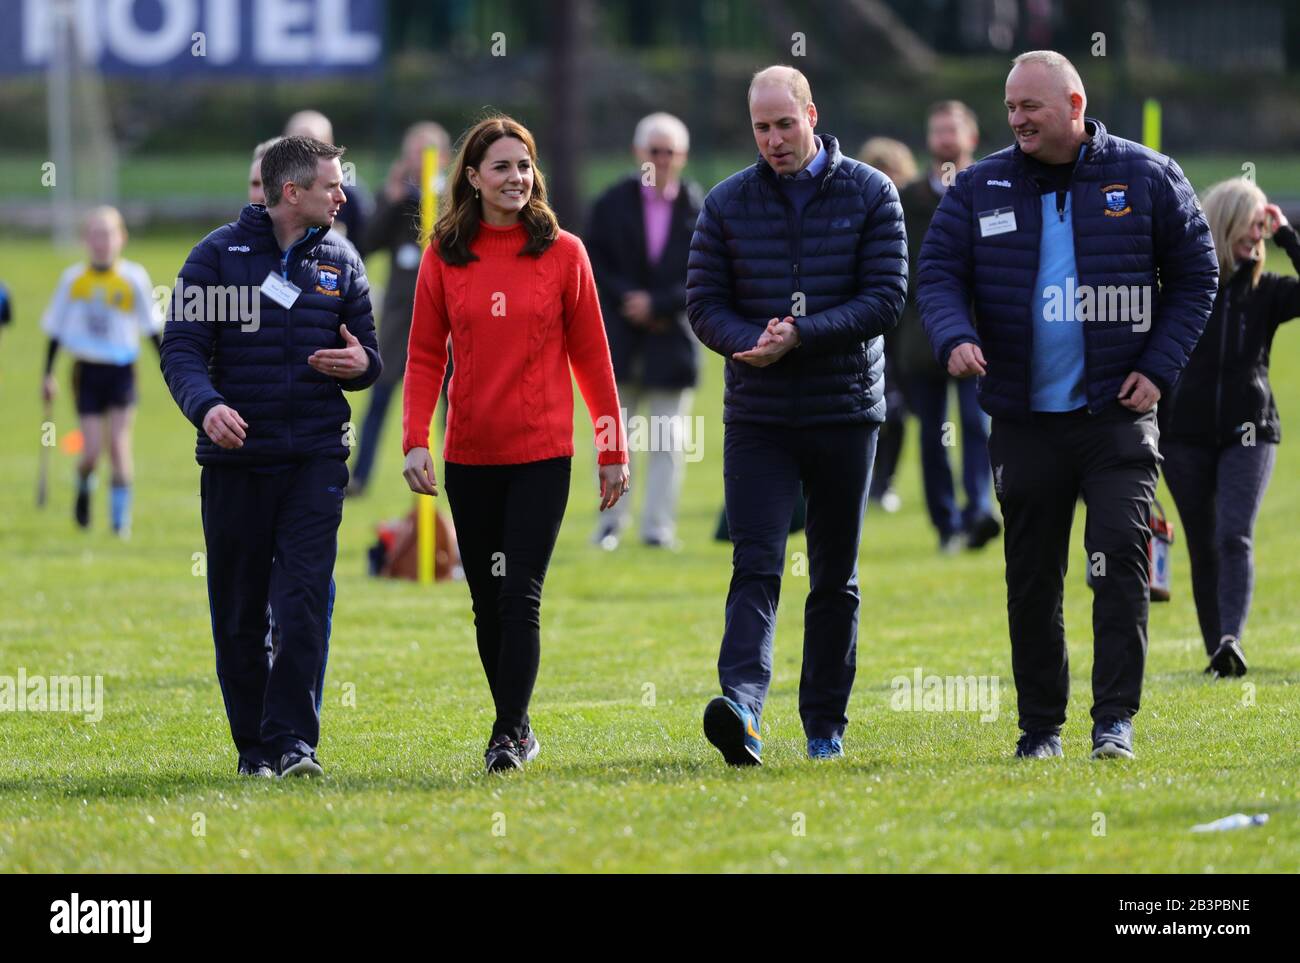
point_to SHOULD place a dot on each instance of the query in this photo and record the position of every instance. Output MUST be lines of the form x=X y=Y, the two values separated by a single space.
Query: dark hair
x=957 y=108
x=293 y=160
x=458 y=225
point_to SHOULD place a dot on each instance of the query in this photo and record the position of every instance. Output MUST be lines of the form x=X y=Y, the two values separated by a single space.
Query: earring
x=476 y=193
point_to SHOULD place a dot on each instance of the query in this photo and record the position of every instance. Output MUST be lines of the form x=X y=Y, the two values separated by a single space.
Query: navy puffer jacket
x=1136 y=222
x=293 y=411
x=847 y=256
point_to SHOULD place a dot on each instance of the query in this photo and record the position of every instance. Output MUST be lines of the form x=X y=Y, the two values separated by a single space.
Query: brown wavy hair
x=459 y=223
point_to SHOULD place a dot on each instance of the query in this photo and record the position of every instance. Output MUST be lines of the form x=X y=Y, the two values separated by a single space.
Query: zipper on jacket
x=285 y=257
x=1074 y=240
x=794 y=228
x=826 y=177
x=1037 y=208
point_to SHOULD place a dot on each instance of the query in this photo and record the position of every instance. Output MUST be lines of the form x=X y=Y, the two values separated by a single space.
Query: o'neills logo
x=121 y=916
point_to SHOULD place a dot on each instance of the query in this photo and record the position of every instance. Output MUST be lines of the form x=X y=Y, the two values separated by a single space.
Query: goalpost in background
x=82 y=148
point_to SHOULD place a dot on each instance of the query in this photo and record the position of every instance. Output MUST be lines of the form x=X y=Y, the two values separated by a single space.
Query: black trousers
x=766 y=468
x=1040 y=469
x=507 y=519
x=250 y=518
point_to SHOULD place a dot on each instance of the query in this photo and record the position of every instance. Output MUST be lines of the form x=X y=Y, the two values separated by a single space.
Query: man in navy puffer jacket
x=1073 y=272
x=797 y=268
x=270 y=323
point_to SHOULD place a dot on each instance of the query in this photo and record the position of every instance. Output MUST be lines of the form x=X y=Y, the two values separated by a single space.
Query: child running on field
x=97 y=314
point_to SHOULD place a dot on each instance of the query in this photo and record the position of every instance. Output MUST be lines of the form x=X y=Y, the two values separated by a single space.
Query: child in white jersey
x=98 y=313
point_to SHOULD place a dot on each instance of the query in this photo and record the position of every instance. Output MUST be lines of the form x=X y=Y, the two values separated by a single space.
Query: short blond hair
x=1230 y=206
x=106 y=212
x=1058 y=64
x=891 y=157
x=786 y=77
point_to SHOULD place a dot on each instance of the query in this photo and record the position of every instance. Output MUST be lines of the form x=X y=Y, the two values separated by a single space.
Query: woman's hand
x=1274 y=218
x=613 y=484
x=418 y=472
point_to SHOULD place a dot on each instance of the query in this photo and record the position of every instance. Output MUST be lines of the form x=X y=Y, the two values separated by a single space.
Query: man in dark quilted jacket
x=797 y=268
x=1072 y=273
x=270 y=323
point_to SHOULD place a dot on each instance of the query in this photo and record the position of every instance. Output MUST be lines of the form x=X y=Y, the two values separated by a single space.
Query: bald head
x=310 y=123
x=1054 y=70
x=1045 y=103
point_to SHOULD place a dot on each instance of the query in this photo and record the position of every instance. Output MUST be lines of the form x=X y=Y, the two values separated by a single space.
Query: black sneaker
x=982 y=531
x=1112 y=739
x=82 y=510
x=1038 y=744
x=1228 y=659
x=529 y=747
x=261 y=770
x=504 y=754
x=296 y=763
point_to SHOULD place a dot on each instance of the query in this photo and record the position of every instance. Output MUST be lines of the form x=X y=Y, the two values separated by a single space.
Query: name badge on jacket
x=282 y=292
x=1000 y=221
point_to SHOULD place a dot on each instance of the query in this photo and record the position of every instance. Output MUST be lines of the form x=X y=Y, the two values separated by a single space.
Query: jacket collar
x=255 y=220
x=833 y=160
x=1095 y=148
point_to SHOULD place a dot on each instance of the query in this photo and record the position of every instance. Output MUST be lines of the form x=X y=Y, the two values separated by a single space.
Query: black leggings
x=507 y=518
x=1218 y=492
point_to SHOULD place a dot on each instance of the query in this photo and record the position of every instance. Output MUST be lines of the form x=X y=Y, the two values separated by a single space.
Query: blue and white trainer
x=1112 y=739
x=733 y=729
x=825 y=749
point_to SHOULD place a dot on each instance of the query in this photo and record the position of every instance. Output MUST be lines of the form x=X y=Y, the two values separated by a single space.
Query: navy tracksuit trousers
x=253 y=517
x=765 y=467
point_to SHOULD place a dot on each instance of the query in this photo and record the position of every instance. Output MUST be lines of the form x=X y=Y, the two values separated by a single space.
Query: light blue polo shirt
x=1056 y=373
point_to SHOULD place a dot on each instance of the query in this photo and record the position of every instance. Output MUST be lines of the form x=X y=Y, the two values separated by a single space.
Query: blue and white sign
x=198 y=36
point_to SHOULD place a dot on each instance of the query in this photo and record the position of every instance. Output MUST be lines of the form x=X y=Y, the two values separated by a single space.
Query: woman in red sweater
x=516 y=297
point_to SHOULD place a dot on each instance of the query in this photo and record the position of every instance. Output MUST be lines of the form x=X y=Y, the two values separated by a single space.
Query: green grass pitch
x=625 y=780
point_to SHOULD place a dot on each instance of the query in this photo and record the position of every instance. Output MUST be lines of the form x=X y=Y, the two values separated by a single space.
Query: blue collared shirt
x=815 y=166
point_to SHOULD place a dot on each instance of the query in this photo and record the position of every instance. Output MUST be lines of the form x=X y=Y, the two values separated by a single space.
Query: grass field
x=625 y=780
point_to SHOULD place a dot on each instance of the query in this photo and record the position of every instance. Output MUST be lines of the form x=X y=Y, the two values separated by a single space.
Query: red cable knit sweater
x=517 y=324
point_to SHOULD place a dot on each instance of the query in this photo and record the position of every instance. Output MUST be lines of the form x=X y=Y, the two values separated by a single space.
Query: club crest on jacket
x=327 y=280
x=1116 y=200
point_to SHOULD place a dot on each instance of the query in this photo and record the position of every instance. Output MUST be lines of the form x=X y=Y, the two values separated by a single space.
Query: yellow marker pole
x=426 y=531
x=1151 y=123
